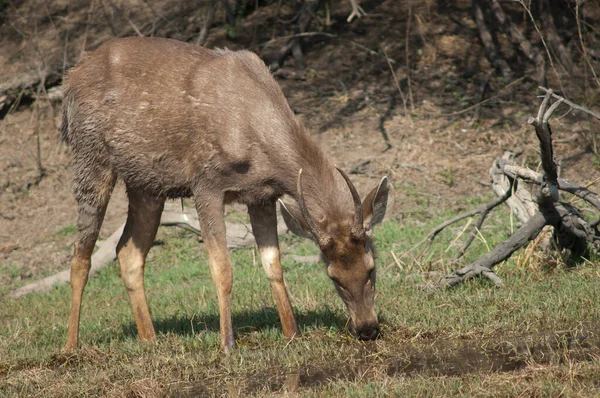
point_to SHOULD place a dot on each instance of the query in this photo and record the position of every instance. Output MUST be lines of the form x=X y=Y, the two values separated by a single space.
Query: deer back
x=174 y=117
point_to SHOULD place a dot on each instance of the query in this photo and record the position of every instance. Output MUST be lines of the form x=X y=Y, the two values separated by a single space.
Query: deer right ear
x=294 y=220
x=375 y=204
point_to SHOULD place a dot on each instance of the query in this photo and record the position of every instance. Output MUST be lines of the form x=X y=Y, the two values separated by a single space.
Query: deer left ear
x=294 y=220
x=375 y=204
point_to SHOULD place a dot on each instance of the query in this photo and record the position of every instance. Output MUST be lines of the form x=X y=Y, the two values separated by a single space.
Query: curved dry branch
x=571 y=104
x=483 y=209
x=573 y=223
x=518 y=38
x=482 y=218
x=563 y=184
x=485 y=264
x=544 y=135
x=489 y=45
x=434 y=232
x=357 y=11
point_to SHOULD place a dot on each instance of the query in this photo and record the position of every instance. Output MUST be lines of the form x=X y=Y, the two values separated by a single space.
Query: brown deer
x=176 y=120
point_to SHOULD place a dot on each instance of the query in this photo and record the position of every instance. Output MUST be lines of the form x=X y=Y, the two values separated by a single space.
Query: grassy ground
x=534 y=337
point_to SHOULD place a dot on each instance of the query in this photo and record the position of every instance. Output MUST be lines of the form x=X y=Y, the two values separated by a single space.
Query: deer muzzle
x=365 y=327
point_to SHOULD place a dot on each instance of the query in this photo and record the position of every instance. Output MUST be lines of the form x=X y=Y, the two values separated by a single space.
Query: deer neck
x=326 y=194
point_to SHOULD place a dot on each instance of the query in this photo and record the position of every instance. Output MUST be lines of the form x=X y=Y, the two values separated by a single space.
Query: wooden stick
x=238 y=235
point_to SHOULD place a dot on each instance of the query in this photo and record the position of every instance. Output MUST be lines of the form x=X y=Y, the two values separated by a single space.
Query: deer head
x=347 y=250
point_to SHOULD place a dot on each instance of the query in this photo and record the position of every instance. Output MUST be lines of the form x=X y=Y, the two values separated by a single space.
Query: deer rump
x=174 y=120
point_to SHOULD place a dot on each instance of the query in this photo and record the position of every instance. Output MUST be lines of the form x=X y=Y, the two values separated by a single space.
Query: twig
x=208 y=20
x=484 y=265
x=482 y=90
x=396 y=260
x=137 y=31
x=65 y=53
x=87 y=26
x=404 y=99
x=585 y=55
x=544 y=135
x=357 y=11
x=462 y=231
x=313 y=34
x=486 y=100
x=434 y=232
x=488 y=207
x=407 y=53
x=571 y=104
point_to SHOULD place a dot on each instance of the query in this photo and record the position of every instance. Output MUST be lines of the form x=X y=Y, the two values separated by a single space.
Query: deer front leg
x=212 y=224
x=264 y=226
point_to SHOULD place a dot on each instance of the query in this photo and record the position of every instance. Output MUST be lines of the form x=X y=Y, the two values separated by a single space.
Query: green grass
x=66 y=230
x=326 y=361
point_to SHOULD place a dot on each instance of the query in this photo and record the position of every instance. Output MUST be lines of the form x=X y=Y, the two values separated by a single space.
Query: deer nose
x=369 y=333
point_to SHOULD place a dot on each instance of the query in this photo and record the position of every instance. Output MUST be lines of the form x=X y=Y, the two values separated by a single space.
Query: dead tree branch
x=484 y=265
x=483 y=209
x=517 y=37
x=487 y=40
x=544 y=135
x=208 y=21
x=563 y=184
x=571 y=104
x=25 y=86
x=357 y=11
x=489 y=207
x=543 y=209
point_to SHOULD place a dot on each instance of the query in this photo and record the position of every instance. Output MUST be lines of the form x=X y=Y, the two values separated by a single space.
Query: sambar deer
x=177 y=120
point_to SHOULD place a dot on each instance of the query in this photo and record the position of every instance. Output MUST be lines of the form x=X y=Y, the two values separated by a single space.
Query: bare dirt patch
x=429 y=359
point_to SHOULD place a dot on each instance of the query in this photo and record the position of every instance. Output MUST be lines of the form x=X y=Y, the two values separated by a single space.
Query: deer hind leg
x=143 y=220
x=264 y=226
x=212 y=224
x=93 y=186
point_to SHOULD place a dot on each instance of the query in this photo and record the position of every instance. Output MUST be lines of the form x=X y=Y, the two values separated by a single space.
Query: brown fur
x=174 y=120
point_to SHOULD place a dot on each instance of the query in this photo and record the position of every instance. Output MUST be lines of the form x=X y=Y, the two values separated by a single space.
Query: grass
x=66 y=230
x=430 y=337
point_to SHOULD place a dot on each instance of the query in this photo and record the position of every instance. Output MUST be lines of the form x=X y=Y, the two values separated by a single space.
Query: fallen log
x=100 y=259
x=24 y=87
x=238 y=235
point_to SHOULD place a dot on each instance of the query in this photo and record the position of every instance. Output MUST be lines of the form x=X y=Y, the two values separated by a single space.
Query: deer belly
x=155 y=174
x=254 y=192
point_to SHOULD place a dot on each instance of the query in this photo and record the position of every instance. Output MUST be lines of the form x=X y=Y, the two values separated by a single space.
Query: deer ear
x=293 y=219
x=375 y=204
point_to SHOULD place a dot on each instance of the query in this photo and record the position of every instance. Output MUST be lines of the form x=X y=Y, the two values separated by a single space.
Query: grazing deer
x=176 y=120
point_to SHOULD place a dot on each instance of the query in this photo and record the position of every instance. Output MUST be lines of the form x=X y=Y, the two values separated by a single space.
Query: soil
x=346 y=96
x=435 y=358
